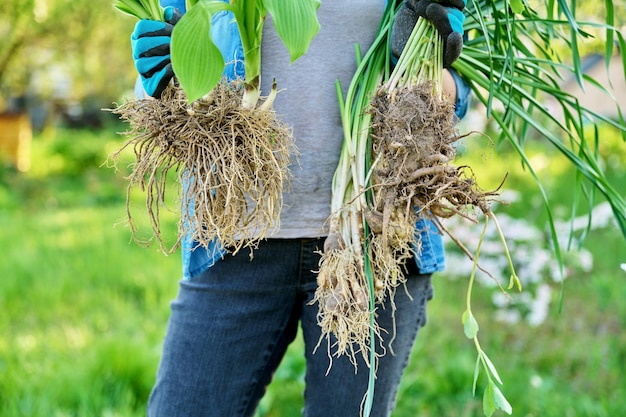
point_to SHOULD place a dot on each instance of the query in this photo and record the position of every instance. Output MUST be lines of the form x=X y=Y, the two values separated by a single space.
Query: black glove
x=150 y=43
x=446 y=16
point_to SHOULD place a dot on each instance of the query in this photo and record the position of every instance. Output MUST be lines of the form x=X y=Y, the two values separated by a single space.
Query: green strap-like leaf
x=196 y=60
x=296 y=23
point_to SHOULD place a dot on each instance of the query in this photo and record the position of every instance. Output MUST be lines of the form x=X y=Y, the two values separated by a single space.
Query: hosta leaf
x=196 y=60
x=296 y=23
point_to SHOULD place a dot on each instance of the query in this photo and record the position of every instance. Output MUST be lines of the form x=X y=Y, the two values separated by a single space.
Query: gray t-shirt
x=307 y=102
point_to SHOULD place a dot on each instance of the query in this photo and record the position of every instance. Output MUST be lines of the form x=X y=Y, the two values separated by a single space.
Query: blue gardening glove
x=150 y=44
x=447 y=17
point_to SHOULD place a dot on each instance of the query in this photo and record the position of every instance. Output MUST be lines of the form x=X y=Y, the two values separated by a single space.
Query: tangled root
x=413 y=133
x=232 y=163
x=388 y=263
x=343 y=299
x=342 y=294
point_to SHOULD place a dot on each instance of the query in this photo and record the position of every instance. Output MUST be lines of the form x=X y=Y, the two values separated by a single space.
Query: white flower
x=536 y=381
x=508 y=316
x=539 y=307
x=586 y=260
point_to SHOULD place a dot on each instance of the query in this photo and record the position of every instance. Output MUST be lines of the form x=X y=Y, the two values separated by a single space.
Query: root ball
x=231 y=164
x=413 y=132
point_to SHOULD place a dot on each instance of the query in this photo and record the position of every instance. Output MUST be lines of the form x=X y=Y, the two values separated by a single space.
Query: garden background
x=84 y=308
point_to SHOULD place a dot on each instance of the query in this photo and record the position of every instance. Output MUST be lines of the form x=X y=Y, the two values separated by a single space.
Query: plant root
x=231 y=164
x=413 y=133
x=343 y=299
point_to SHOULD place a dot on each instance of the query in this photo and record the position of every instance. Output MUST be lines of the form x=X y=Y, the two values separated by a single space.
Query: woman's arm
x=456 y=89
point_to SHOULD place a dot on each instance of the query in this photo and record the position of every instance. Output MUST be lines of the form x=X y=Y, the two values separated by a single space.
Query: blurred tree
x=70 y=51
x=64 y=50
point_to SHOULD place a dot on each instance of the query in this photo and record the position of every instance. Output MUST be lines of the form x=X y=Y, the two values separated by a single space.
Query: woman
x=234 y=317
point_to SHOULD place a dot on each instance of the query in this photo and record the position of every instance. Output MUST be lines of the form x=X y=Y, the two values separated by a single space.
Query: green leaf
x=514 y=281
x=476 y=373
x=485 y=61
x=191 y=3
x=196 y=60
x=141 y=9
x=517 y=6
x=491 y=367
x=154 y=9
x=470 y=325
x=489 y=402
x=500 y=401
x=296 y=23
x=132 y=8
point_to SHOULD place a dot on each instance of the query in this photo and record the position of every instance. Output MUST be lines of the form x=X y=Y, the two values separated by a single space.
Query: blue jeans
x=231 y=325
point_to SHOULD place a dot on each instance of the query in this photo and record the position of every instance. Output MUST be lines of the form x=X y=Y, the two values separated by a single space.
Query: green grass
x=83 y=313
x=84 y=308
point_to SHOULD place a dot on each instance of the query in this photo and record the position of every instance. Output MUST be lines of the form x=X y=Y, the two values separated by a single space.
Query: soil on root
x=413 y=133
x=232 y=164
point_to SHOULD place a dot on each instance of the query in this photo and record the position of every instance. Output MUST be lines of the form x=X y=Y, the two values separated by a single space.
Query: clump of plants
x=397 y=163
x=228 y=148
x=396 y=168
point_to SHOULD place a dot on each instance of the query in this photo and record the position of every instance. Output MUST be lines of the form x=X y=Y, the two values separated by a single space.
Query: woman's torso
x=308 y=103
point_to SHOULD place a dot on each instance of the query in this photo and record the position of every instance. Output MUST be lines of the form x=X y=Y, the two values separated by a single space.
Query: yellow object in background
x=15 y=138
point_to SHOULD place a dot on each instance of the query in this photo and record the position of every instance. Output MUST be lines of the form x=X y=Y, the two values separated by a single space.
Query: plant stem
x=514 y=280
x=421 y=60
x=249 y=16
